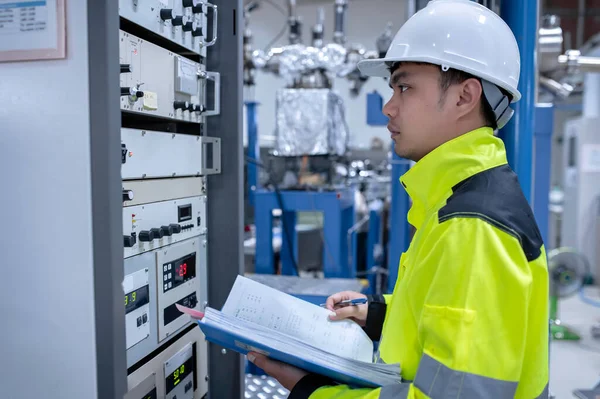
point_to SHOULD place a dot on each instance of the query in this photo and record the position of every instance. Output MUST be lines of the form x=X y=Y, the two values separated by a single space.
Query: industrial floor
x=576 y=365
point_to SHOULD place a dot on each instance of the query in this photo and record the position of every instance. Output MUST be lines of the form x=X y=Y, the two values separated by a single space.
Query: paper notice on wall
x=590 y=158
x=31 y=29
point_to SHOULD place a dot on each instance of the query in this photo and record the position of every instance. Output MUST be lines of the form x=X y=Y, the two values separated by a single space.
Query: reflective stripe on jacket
x=468 y=317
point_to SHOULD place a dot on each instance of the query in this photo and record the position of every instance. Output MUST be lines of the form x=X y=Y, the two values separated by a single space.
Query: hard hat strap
x=498 y=102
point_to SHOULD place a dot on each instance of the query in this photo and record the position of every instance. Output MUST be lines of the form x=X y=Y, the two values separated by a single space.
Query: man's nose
x=390 y=110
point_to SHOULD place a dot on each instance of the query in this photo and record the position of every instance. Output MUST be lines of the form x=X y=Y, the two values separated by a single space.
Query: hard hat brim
x=380 y=68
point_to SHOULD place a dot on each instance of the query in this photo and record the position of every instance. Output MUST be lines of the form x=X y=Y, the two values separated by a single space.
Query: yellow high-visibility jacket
x=468 y=317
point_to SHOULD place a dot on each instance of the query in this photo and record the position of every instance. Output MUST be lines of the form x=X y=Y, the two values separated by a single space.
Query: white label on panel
x=590 y=158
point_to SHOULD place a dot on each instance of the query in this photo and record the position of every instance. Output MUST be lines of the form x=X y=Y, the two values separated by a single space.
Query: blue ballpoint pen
x=348 y=302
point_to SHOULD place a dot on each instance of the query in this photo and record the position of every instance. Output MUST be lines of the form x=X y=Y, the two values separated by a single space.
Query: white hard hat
x=459 y=34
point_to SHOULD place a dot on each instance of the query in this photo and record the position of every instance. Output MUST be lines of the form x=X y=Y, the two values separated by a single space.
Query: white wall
x=365 y=21
x=47 y=339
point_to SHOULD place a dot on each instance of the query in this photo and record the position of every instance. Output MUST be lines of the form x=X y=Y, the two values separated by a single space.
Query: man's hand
x=357 y=313
x=288 y=376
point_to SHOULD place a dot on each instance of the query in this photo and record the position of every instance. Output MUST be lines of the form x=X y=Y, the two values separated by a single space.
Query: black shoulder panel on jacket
x=495 y=196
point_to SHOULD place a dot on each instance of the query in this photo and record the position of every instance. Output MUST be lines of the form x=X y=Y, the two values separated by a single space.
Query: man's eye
x=402 y=88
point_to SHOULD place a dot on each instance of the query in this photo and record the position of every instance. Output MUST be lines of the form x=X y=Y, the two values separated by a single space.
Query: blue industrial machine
x=399 y=229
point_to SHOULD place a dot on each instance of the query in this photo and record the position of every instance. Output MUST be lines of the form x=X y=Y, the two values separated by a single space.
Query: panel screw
x=223 y=351
x=206 y=378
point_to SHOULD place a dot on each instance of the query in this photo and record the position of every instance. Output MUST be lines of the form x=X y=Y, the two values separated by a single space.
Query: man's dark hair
x=452 y=77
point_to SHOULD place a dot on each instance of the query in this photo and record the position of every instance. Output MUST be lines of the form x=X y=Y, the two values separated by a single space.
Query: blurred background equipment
x=568 y=270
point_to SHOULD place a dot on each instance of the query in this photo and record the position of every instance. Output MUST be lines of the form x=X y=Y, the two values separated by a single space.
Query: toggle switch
x=125 y=68
x=133 y=92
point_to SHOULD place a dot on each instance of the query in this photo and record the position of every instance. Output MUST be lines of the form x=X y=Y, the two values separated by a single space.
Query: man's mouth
x=394 y=133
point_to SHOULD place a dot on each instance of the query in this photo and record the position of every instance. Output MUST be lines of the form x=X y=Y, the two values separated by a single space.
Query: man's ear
x=469 y=96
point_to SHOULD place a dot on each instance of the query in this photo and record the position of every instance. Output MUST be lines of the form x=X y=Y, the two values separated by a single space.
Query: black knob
x=167 y=14
x=181 y=105
x=176 y=228
x=190 y=3
x=198 y=9
x=157 y=233
x=199 y=108
x=123 y=153
x=197 y=32
x=167 y=230
x=126 y=91
x=125 y=68
x=178 y=21
x=146 y=235
x=189 y=26
x=139 y=94
x=127 y=195
x=129 y=241
x=190 y=107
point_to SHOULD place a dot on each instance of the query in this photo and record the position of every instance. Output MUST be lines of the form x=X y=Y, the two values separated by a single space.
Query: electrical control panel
x=137 y=306
x=178 y=271
x=156 y=82
x=185 y=155
x=179 y=371
x=184 y=22
x=175 y=274
x=167 y=156
x=139 y=192
x=155 y=225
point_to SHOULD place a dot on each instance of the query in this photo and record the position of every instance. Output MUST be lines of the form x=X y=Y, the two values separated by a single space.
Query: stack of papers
x=261 y=319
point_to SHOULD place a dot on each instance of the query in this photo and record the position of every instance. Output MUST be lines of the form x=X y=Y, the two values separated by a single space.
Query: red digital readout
x=182 y=270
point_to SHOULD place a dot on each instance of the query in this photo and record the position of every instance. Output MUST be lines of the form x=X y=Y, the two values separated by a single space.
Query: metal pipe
x=522 y=17
x=339 y=34
x=573 y=60
x=580 y=23
x=319 y=28
x=295 y=24
x=562 y=90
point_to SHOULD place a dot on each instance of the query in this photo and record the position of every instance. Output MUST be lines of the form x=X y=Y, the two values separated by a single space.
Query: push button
x=139 y=321
x=144 y=318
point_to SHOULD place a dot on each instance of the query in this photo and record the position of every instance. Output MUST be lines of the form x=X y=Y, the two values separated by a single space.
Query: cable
x=587 y=300
x=284 y=227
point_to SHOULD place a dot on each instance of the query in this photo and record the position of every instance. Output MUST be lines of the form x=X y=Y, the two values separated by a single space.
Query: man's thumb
x=257 y=359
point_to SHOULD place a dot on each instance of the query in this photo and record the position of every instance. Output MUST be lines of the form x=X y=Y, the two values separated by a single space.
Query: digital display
x=136 y=299
x=179 y=271
x=184 y=212
x=151 y=395
x=171 y=313
x=180 y=374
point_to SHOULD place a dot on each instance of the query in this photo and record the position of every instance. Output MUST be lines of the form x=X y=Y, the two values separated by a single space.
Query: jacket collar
x=432 y=178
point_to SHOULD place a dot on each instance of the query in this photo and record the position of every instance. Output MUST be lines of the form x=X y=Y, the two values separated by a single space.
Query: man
x=468 y=317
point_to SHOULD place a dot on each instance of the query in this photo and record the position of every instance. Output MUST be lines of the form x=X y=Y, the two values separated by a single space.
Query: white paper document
x=268 y=307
